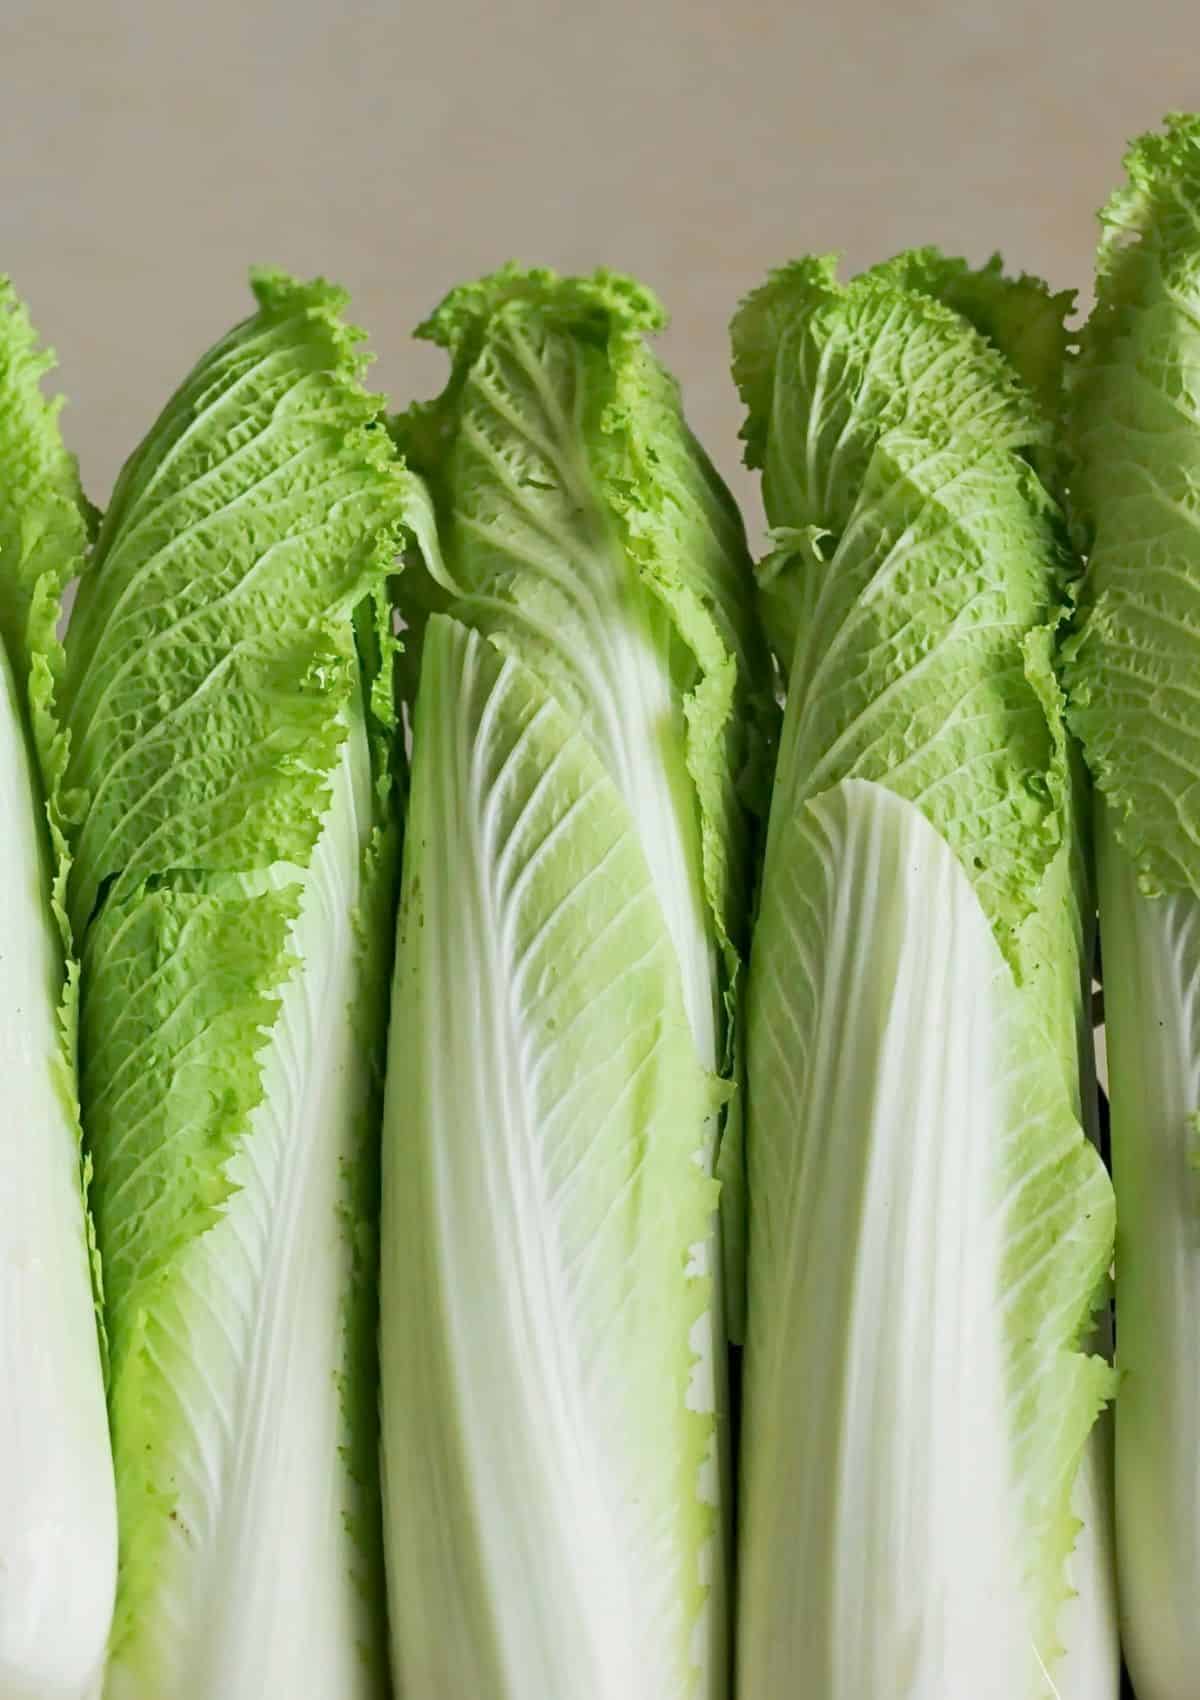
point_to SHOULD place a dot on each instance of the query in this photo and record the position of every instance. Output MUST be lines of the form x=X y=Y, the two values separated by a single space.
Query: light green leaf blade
x=205 y=705
x=227 y=692
x=919 y=575
x=577 y=527
x=917 y=664
x=43 y=516
x=1020 y=316
x=57 y=1506
x=825 y=370
x=1130 y=674
x=581 y=525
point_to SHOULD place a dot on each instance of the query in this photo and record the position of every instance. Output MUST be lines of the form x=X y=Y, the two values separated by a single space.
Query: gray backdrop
x=151 y=150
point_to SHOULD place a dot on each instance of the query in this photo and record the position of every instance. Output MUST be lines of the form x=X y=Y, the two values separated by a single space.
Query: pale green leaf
x=580 y=524
x=929 y=1228
x=228 y=696
x=58 y=1534
x=583 y=546
x=1136 y=490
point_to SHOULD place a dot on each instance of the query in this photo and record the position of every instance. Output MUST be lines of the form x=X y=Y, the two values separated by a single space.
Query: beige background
x=151 y=150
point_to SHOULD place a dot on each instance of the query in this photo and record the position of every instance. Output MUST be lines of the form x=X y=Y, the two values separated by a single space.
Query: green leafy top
x=211 y=666
x=605 y=303
x=573 y=504
x=211 y=648
x=1131 y=669
x=1020 y=316
x=920 y=576
x=848 y=362
x=43 y=542
x=920 y=566
x=43 y=529
x=578 y=524
x=233 y=627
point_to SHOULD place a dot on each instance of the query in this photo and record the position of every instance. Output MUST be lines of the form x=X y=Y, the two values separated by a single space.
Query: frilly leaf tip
x=785 y=287
x=278 y=291
x=460 y=321
x=280 y=296
x=757 y=327
x=1155 y=165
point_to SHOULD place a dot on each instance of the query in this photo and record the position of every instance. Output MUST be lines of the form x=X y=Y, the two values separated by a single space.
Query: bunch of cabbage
x=1132 y=682
x=574 y=894
x=58 y=1532
x=228 y=699
x=928 y=1225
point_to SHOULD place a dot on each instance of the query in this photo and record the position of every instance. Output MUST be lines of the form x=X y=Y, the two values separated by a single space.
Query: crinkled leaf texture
x=1131 y=678
x=233 y=855
x=1136 y=487
x=1021 y=318
x=929 y=1227
x=58 y=1531
x=580 y=524
x=580 y=539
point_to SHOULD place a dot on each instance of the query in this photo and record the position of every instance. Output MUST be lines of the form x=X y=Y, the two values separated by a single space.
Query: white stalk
x=58 y=1531
x=1152 y=1020
x=543 y=1135
x=891 y=1495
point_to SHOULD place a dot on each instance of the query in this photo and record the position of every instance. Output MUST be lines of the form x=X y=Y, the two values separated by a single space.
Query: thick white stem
x=1152 y=1019
x=58 y=1530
